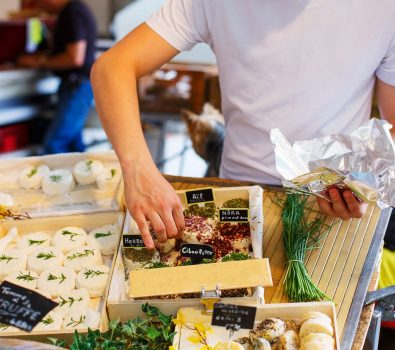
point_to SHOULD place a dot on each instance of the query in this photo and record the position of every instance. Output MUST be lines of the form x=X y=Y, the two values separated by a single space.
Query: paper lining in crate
x=174 y=285
x=67 y=259
x=95 y=186
x=285 y=326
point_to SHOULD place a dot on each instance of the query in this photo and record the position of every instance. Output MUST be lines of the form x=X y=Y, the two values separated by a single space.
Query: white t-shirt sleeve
x=386 y=70
x=182 y=23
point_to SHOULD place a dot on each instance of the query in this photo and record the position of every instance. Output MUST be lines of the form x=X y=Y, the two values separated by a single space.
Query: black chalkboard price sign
x=229 y=316
x=201 y=195
x=196 y=252
x=21 y=307
x=132 y=241
x=234 y=215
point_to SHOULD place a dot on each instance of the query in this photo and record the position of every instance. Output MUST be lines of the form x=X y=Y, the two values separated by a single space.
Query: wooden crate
x=50 y=225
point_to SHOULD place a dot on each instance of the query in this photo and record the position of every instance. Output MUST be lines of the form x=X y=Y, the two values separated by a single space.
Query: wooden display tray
x=285 y=311
x=190 y=279
x=83 y=199
x=50 y=225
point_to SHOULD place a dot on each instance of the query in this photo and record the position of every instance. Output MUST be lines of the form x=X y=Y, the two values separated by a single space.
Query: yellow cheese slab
x=191 y=279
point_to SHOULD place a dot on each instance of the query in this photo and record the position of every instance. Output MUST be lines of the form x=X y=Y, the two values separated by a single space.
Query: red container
x=14 y=137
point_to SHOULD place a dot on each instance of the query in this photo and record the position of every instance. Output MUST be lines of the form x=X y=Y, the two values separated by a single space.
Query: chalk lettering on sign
x=196 y=252
x=132 y=241
x=22 y=307
x=234 y=215
x=233 y=316
x=201 y=195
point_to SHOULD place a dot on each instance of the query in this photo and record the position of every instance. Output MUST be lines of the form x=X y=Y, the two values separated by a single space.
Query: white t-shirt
x=307 y=67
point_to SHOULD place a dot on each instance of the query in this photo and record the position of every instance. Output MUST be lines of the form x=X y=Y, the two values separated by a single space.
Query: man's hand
x=30 y=61
x=344 y=205
x=149 y=197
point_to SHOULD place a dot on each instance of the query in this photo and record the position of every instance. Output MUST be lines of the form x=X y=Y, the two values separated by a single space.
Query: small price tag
x=202 y=195
x=132 y=241
x=233 y=316
x=21 y=307
x=197 y=252
x=234 y=215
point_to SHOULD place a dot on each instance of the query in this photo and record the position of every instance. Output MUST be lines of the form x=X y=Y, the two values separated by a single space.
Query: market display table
x=344 y=267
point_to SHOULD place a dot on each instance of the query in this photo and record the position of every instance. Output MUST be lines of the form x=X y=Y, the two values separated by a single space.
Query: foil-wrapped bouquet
x=363 y=162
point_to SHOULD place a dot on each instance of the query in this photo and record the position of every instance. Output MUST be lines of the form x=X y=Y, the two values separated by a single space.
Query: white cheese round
x=31 y=178
x=23 y=278
x=83 y=256
x=32 y=241
x=6 y=200
x=51 y=322
x=108 y=179
x=72 y=301
x=86 y=171
x=94 y=278
x=104 y=238
x=58 y=182
x=12 y=260
x=57 y=280
x=69 y=238
x=41 y=258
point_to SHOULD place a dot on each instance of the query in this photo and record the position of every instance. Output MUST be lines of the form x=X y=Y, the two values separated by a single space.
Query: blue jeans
x=65 y=132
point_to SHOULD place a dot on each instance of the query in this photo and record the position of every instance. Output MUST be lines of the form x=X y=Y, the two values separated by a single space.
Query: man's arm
x=148 y=195
x=72 y=57
x=385 y=95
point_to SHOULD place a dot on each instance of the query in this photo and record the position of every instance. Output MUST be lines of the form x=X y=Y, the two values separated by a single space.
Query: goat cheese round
x=108 y=179
x=41 y=258
x=72 y=301
x=51 y=322
x=32 y=241
x=23 y=278
x=86 y=171
x=83 y=256
x=94 y=278
x=6 y=200
x=31 y=178
x=104 y=238
x=58 y=182
x=57 y=280
x=69 y=238
x=12 y=260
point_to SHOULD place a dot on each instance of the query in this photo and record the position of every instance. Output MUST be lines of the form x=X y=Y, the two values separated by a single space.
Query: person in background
x=71 y=58
x=308 y=67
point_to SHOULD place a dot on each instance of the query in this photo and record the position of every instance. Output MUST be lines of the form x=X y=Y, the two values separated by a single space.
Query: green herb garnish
x=75 y=323
x=47 y=321
x=209 y=210
x=113 y=172
x=32 y=173
x=45 y=256
x=236 y=203
x=154 y=332
x=91 y=273
x=300 y=236
x=71 y=234
x=89 y=164
x=235 y=257
x=52 y=277
x=3 y=326
x=86 y=252
x=25 y=277
x=156 y=265
x=69 y=300
x=56 y=178
x=34 y=242
x=8 y=258
x=101 y=235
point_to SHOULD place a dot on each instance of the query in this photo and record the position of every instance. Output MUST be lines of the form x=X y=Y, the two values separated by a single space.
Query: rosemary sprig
x=101 y=235
x=91 y=273
x=86 y=252
x=6 y=257
x=113 y=172
x=25 y=277
x=69 y=300
x=55 y=178
x=75 y=323
x=32 y=173
x=8 y=214
x=52 y=277
x=45 y=256
x=34 y=242
x=71 y=234
x=89 y=164
x=47 y=321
